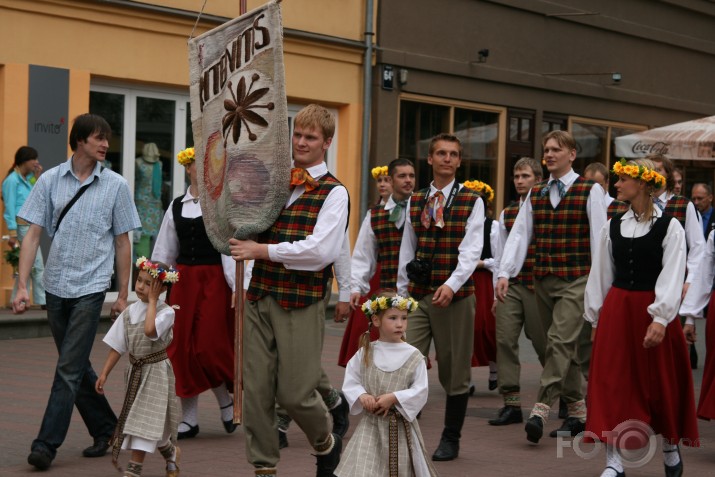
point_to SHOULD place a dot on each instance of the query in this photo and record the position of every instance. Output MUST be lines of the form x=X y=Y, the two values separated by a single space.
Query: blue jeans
x=74 y=325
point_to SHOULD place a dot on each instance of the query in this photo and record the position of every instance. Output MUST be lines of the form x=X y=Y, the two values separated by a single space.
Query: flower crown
x=649 y=176
x=186 y=156
x=379 y=171
x=481 y=188
x=376 y=304
x=153 y=269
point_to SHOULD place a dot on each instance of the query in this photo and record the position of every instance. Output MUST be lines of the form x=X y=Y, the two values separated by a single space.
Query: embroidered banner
x=239 y=117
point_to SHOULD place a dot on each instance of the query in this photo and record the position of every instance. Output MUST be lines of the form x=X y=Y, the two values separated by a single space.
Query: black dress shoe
x=329 y=462
x=472 y=389
x=193 y=430
x=447 y=450
x=282 y=440
x=40 y=458
x=228 y=425
x=674 y=470
x=493 y=382
x=563 y=409
x=618 y=474
x=508 y=415
x=571 y=427
x=341 y=420
x=534 y=429
x=98 y=449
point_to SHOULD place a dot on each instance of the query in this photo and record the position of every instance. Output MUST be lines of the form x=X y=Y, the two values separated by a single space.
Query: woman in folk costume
x=699 y=296
x=357 y=324
x=202 y=350
x=388 y=379
x=639 y=371
x=485 y=340
x=150 y=414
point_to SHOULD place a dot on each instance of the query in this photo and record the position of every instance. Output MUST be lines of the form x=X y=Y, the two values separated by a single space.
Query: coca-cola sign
x=641 y=147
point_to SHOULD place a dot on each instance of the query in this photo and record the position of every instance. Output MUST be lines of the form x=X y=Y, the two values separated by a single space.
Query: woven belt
x=395 y=418
x=135 y=377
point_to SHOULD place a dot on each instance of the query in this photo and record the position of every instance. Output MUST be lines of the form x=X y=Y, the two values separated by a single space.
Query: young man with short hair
x=284 y=314
x=518 y=310
x=564 y=216
x=441 y=246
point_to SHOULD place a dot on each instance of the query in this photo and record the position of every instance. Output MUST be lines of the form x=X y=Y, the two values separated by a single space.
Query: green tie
x=396 y=213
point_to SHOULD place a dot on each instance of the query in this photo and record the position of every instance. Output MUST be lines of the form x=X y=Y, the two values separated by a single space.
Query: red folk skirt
x=706 y=405
x=201 y=352
x=485 y=329
x=627 y=381
x=357 y=325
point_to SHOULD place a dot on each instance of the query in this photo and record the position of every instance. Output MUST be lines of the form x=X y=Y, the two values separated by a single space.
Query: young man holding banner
x=284 y=312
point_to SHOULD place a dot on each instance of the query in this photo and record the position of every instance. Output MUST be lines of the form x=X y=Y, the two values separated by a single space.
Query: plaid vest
x=526 y=274
x=293 y=288
x=440 y=246
x=563 y=245
x=677 y=207
x=389 y=239
x=616 y=207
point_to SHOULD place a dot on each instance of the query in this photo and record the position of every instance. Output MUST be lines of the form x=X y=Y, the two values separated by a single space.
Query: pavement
x=28 y=357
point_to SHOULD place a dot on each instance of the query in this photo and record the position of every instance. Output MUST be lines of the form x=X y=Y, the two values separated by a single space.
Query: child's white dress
x=382 y=442
x=155 y=413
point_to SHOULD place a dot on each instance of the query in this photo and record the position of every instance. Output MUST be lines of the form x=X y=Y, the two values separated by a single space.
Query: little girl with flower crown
x=150 y=414
x=388 y=379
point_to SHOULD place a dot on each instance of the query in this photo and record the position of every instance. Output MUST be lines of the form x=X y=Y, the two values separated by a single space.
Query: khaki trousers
x=560 y=304
x=282 y=350
x=452 y=329
x=516 y=312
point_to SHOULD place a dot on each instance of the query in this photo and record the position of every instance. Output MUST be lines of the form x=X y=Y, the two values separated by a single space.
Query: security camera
x=616 y=77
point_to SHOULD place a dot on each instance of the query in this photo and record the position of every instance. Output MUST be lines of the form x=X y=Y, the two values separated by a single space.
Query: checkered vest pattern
x=389 y=239
x=293 y=288
x=526 y=274
x=562 y=234
x=440 y=246
x=616 y=207
x=677 y=207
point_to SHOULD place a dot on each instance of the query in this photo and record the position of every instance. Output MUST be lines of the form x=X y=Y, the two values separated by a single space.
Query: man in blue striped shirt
x=87 y=236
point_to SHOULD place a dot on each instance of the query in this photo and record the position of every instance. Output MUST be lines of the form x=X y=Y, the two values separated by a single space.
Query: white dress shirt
x=668 y=286
x=470 y=248
x=693 y=234
x=522 y=232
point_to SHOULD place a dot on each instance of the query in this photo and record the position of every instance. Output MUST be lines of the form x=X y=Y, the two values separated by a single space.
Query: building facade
x=128 y=61
x=501 y=73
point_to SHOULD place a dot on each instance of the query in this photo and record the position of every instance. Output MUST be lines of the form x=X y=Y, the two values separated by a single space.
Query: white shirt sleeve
x=342 y=270
x=229 y=270
x=115 y=337
x=695 y=240
x=600 y=278
x=701 y=287
x=321 y=248
x=413 y=399
x=517 y=244
x=596 y=209
x=364 y=260
x=669 y=286
x=352 y=383
x=166 y=247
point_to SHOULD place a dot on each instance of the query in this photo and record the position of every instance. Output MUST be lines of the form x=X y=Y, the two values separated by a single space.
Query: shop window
x=478 y=130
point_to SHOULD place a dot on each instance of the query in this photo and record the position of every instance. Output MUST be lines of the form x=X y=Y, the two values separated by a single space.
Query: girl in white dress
x=150 y=414
x=388 y=379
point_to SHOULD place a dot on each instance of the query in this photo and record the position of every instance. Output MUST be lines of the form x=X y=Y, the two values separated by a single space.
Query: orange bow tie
x=299 y=176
